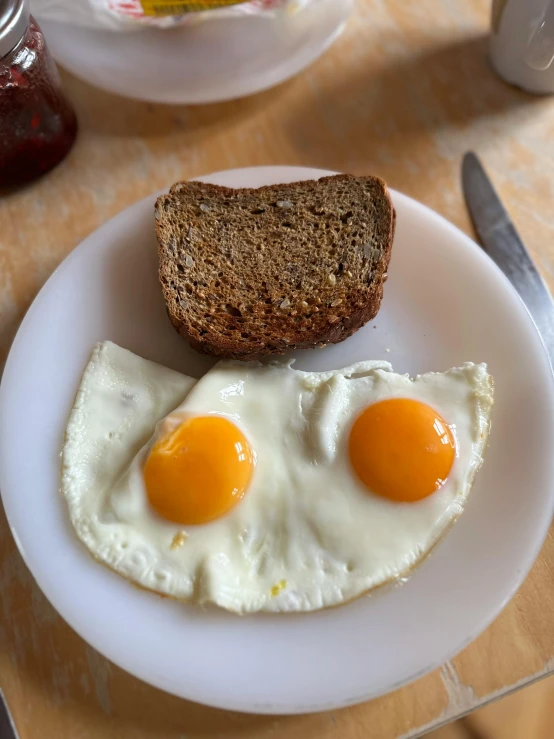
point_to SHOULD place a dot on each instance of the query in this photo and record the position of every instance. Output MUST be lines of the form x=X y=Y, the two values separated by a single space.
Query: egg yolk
x=401 y=449
x=199 y=471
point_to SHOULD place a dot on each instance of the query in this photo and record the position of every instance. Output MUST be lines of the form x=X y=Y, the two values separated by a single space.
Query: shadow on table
x=394 y=114
x=389 y=117
x=110 y=114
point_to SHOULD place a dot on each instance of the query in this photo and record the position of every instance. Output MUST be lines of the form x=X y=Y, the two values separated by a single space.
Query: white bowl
x=213 y=61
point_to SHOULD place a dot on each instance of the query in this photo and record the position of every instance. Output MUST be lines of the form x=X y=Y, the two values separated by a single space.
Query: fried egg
x=265 y=488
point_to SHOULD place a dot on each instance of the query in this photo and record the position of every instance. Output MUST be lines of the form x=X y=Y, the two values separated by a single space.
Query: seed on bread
x=251 y=272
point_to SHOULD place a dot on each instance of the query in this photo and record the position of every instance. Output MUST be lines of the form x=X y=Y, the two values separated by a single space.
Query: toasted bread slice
x=251 y=272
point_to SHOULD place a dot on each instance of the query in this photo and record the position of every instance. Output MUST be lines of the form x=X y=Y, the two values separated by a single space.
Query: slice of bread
x=247 y=273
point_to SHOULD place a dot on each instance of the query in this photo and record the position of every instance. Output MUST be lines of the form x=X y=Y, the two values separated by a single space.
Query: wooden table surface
x=402 y=94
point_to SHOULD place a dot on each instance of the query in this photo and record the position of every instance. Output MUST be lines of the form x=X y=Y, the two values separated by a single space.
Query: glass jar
x=37 y=123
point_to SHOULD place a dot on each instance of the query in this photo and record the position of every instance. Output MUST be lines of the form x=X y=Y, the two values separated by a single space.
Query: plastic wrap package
x=125 y=15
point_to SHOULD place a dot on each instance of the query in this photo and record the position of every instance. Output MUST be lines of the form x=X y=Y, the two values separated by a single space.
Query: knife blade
x=502 y=243
x=7 y=726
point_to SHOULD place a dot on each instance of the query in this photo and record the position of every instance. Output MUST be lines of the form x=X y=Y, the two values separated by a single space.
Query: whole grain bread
x=251 y=272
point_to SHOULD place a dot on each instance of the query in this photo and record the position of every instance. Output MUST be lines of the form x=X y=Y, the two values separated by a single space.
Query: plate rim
x=533 y=548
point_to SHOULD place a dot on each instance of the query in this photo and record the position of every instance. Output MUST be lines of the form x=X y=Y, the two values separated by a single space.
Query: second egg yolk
x=401 y=449
x=199 y=471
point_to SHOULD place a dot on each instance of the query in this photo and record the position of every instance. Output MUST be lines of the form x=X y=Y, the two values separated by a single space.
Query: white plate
x=216 y=60
x=445 y=303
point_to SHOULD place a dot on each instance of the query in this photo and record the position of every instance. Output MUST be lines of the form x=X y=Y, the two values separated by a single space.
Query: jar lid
x=14 y=18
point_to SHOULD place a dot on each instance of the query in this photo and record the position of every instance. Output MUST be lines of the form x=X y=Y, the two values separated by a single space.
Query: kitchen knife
x=503 y=244
x=7 y=726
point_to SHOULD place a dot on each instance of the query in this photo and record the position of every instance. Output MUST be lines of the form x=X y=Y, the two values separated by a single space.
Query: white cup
x=522 y=43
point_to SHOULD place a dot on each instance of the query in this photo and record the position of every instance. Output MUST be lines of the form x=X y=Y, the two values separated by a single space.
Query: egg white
x=119 y=400
x=307 y=534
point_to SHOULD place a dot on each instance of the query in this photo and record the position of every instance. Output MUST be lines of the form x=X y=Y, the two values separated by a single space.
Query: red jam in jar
x=37 y=124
